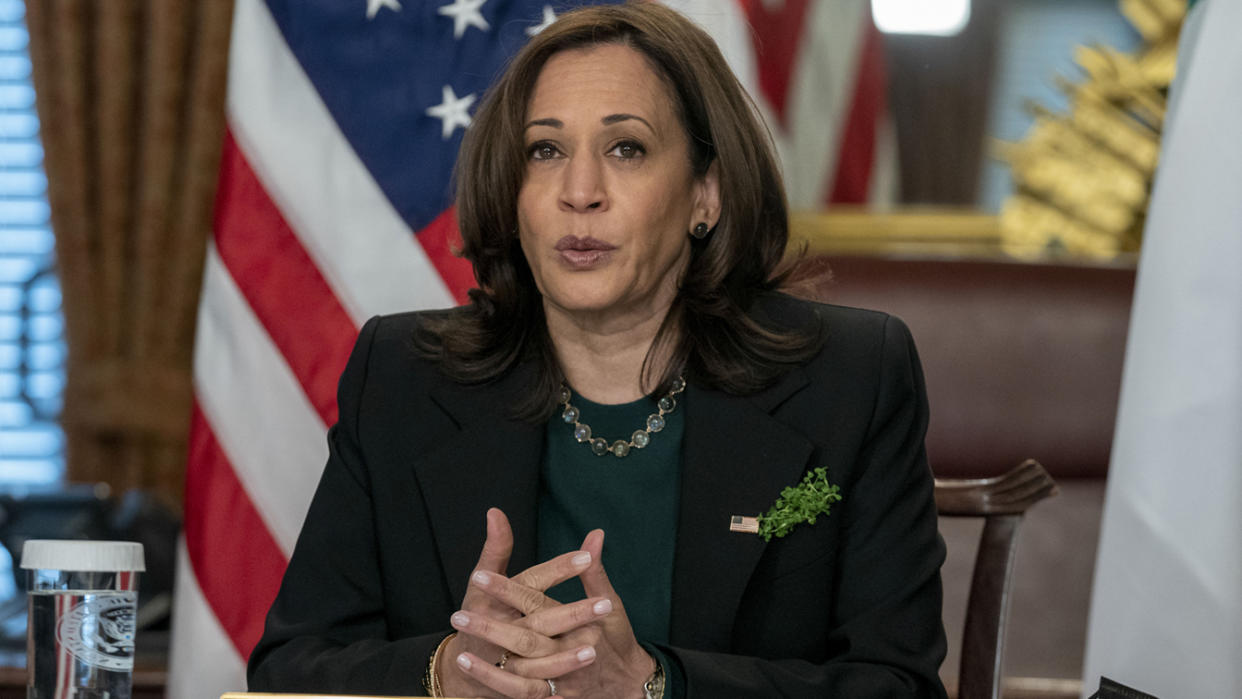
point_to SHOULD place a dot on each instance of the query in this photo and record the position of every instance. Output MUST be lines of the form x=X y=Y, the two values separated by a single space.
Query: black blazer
x=847 y=607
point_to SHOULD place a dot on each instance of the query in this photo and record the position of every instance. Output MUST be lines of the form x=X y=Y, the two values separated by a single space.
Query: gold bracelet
x=431 y=678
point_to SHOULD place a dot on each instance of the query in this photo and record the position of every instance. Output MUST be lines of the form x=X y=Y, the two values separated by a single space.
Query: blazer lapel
x=736 y=459
x=492 y=461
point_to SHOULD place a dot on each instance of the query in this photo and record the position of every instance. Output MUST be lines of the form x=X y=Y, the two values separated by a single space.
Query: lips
x=583 y=253
x=573 y=242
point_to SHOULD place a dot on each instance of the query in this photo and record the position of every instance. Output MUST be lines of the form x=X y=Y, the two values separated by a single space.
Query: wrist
x=653 y=686
x=431 y=677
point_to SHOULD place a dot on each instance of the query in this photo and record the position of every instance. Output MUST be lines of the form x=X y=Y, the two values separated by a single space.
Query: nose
x=582 y=189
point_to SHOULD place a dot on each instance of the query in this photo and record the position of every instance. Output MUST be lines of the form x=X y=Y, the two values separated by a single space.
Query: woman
x=624 y=367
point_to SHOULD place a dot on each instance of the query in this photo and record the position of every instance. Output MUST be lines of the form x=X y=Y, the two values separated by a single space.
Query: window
x=32 y=349
x=935 y=17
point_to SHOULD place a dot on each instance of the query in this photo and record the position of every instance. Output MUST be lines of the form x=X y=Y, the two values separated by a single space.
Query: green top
x=634 y=499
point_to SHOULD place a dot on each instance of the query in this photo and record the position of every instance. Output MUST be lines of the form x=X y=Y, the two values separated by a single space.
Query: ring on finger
x=551 y=688
x=504 y=658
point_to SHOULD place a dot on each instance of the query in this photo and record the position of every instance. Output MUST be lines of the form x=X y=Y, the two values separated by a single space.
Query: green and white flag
x=1166 y=614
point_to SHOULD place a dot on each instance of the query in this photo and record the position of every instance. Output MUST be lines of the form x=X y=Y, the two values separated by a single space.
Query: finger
x=503 y=681
x=594 y=579
x=550 y=619
x=498 y=545
x=567 y=617
x=526 y=600
x=553 y=665
x=524 y=592
x=515 y=639
x=554 y=571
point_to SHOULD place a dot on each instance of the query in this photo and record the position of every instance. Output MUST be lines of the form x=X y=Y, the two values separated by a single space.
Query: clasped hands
x=586 y=648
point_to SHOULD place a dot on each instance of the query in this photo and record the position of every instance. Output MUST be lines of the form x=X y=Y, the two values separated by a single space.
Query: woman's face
x=609 y=196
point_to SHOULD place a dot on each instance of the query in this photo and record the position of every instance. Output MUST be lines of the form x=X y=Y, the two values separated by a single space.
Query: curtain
x=130 y=96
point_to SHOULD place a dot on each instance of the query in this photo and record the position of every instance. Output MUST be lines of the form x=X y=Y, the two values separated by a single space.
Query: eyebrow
x=615 y=118
x=606 y=121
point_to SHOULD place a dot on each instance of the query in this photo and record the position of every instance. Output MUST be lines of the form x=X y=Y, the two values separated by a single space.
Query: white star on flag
x=374 y=6
x=548 y=18
x=452 y=112
x=465 y=14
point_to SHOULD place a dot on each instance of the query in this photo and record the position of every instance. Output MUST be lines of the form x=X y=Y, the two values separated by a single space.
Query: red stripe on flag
x=281 y=282
x=235 y=560
x=777 y=37
x=856 y=157
x=441 y=241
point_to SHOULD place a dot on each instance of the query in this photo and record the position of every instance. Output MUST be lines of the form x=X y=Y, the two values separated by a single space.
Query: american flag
x=334 y=204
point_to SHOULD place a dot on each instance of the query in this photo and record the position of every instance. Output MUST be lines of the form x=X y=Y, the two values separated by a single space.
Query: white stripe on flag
x=1166 y=614
x=821 y=91
x=262 y=419
x=202 y=664
x=885 y=184
x=727 y=25
x=361 y=245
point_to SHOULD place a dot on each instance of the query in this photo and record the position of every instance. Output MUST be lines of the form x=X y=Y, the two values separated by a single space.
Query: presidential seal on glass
x=82 y=598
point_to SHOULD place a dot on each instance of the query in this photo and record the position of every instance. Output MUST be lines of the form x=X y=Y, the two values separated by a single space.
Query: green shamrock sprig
x=801 y=503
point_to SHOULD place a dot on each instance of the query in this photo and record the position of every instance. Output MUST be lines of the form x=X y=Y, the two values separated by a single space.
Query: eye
x=628 y=150
x=542 y=150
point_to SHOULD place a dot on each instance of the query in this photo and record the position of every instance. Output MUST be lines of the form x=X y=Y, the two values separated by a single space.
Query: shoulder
x=866 y=364
x=395 y=328
x=385 y=362
x=383 y=341
x=793 y=311
x=391 y=337
x=853 y=336
x=391 y=368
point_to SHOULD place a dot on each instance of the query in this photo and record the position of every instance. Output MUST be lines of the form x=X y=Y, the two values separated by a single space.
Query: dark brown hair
x=708 y=331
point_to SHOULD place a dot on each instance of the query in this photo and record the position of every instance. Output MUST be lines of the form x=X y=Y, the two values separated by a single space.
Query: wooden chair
x=1000 y=501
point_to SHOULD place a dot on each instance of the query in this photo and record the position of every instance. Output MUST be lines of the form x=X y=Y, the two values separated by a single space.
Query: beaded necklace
x=619 y=448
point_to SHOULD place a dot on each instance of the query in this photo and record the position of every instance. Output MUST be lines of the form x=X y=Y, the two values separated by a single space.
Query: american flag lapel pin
x=745 y=525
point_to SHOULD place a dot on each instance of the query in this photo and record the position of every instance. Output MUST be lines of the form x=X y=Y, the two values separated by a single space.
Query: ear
x=707 y=198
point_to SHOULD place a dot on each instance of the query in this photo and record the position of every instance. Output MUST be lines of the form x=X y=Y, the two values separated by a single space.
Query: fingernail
x=601 y=607
x=581 y=560
x=586 y=654
x=460 y=620
x=481 y=578
x=463 y=660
